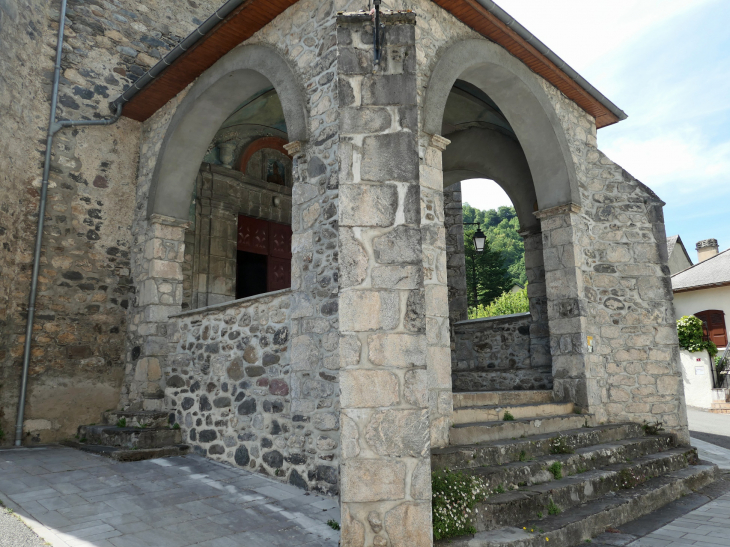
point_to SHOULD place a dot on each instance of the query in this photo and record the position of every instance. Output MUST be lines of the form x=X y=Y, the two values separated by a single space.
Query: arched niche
x=520 y=97
x=241 y=73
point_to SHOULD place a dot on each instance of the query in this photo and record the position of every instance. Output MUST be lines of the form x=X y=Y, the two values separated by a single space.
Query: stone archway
x=552 y=192
x=239 y=74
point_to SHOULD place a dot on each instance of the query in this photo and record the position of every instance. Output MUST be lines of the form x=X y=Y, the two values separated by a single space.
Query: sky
x=666 y=63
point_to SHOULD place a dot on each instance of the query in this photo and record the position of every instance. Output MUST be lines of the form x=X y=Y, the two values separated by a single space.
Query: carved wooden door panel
x=271 y=239
x=253 y=235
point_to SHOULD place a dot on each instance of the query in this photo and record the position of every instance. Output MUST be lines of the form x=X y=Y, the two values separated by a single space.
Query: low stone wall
x=230 y=389
x=493 y=354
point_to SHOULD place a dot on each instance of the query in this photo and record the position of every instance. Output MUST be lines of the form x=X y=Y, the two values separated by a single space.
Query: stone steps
x=131 y=455
x=476 y=432
x=488 y=413
x=129 y=437
x=483 y=398
x=538 y=378
x=719 y=407
x=532 y=472
x=139 y=418
x=506 y=451
x=525 y=504
x=585 y=521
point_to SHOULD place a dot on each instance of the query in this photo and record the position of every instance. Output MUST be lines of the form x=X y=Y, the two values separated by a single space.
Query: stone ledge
x=231 y=304
x=512 y=317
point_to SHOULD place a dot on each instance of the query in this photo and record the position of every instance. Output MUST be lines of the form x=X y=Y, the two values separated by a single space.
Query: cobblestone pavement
x=73 y=499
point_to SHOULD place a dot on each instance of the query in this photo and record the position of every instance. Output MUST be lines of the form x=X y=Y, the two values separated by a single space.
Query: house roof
x=713 y=272
x=238 y=20
x=671 y=244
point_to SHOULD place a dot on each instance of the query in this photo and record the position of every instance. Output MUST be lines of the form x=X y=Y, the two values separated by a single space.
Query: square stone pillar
x=435 y=272
x=214 y=274
x=384 y=352
x=455 y=252
x=160 y=294
x=536 y=294
x=567 y=308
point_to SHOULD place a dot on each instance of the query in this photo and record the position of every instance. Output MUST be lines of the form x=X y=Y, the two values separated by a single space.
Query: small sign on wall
x=699 y=371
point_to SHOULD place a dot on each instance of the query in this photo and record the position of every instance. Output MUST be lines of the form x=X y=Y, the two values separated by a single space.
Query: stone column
x=216 y=240
x=385 y=466
x=435 y=267
x=539 y=330
x=567 y=308
x=455 y=253
x=160 y=283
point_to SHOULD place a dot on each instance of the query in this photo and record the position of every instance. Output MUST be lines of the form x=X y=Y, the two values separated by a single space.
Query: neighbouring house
x=678 y=258
x=704 y=290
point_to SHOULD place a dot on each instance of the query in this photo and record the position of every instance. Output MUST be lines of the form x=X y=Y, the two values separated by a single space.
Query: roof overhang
x=701 y=287
x=238 y=20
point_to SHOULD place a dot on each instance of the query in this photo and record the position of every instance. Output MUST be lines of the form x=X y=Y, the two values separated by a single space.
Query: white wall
x=691 y=302
x=697 y=377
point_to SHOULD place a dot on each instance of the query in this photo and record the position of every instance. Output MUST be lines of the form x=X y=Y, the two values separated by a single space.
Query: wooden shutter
x=716 y=330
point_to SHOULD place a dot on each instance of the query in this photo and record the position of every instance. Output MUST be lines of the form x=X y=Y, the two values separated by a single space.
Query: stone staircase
x=131 y=436
x=535 y=498
x=720 y=401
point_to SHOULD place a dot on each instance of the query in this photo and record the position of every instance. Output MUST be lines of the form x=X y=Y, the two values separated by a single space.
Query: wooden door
x=715 y=330
x=271 y=239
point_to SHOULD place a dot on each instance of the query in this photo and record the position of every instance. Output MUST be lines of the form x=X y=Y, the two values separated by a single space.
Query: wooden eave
x=253 y=15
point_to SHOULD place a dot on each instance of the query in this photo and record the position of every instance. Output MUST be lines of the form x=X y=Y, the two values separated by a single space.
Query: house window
x=714 y=326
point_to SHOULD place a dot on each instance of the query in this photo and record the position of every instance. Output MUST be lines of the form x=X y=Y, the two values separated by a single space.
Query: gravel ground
x=14 y=533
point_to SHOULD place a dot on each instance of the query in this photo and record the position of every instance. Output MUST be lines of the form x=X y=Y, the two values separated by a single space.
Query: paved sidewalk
x=74 y=499
x=713 y=453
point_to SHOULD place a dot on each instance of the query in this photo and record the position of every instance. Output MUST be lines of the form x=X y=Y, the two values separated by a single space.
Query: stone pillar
x=215 y=250
x=160 y=283
x=455 y=253
x=384 y=381
x=567 y=308
x=435 y=268
x=535 y=270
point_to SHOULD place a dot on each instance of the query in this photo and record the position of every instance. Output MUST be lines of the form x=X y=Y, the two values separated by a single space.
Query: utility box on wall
x=697 y=377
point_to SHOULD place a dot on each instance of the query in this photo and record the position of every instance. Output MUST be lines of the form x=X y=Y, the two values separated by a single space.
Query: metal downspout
x=53 y=128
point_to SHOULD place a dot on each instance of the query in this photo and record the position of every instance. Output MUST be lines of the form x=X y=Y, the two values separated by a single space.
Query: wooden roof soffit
x=252 y=15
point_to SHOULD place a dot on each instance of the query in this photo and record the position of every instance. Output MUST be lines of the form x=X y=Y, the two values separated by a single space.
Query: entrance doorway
x=263 y=261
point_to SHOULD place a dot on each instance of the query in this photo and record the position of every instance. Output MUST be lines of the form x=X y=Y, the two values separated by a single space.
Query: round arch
x=479 y=152
x=517 y=92
x=214 y=96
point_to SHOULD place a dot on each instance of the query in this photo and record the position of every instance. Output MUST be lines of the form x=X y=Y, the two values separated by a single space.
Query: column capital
x=438 y=142
x=558 y=210
x=294 y=148
x=165 y=220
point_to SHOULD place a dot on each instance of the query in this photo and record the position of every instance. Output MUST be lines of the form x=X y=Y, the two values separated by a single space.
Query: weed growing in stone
x=499 y=489
x=523 y=456
x=455 y=496
x=553 y=509
x=122 y=422
x=557 y=470
x=507 y=417
x=652 y=428
x=333 y=524
x=581 y=469
x=176 y=426
x=629 y=478
x=559 y=445
x=539 y=514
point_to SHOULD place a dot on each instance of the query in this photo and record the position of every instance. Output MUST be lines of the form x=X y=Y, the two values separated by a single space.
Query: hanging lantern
x=479 y=240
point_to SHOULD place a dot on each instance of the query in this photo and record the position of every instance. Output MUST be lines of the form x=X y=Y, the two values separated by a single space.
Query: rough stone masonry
x=343 y=383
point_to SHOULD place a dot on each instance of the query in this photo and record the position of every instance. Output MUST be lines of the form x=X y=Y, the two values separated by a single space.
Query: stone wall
x=85 y=286
x=229 y=386
x=624 y=297
x=494 y=354
x=455 y=257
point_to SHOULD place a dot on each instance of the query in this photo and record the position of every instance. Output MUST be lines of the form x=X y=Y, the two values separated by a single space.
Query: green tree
x=502 y=230
x=486 y=276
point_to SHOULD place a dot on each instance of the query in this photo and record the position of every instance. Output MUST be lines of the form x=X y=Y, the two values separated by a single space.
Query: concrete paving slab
x=72 y=498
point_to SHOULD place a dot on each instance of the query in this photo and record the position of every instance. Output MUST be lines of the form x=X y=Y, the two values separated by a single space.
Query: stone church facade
x=338 y=374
